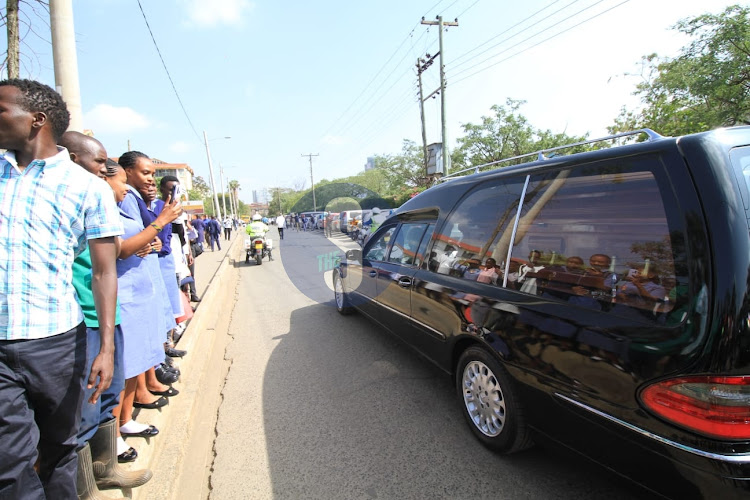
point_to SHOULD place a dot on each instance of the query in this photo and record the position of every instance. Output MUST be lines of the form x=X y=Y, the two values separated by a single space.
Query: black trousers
x=41 y=390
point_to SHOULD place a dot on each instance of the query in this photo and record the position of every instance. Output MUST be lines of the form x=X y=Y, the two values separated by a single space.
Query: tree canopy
x=706 y=86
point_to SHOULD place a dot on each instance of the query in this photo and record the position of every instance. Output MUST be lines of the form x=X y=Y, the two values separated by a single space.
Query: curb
x=172 y=455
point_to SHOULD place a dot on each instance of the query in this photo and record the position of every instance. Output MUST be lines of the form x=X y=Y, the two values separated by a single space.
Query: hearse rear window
x=597 y=238
x=594 y=236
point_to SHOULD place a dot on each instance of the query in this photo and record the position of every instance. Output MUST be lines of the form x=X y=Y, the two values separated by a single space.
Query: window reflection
x=595 y=236
x=463 y=246
x=377 y=250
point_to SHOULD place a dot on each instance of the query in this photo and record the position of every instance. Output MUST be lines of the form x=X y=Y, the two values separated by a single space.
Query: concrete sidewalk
x=167 y=453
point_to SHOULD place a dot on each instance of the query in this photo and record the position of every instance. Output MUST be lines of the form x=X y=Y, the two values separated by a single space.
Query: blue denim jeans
x=94 y=414
x=41 y=388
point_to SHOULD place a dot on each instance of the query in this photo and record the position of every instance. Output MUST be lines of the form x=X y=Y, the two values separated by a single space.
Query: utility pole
x=211 y=176
x=315 y=205
x=441 y=24
x=223 y=194
x=65 y=59
x=422 y=65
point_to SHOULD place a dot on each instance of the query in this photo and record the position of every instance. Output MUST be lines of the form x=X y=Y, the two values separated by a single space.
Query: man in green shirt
x=97 y=435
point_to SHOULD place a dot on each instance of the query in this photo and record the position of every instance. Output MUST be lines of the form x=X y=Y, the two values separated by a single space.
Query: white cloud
x=334 y=140
x=216 y=12
x=105 y=118
x=180 y=147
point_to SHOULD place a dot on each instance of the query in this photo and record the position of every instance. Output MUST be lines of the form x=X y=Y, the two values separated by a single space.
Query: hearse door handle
x=404 y=282
x=373 y=274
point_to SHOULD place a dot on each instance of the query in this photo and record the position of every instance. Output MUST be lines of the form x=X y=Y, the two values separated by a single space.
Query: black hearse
x=598 y=299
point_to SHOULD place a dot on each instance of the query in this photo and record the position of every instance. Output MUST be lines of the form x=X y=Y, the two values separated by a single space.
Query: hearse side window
x=740 y=157
x=463 y=246
x=421 y=260
x=378 y=248
x=404 y=248
x=598 y=237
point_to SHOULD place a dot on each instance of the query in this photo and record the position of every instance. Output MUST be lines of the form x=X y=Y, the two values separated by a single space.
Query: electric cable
x=553 y=25
x=168 y=75
x=456 y=64
x=539 y=43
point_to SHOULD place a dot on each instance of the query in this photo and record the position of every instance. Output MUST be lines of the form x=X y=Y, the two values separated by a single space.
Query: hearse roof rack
x=543 y=154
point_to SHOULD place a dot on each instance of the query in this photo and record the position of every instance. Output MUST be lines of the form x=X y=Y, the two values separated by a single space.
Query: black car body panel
x=580 y=345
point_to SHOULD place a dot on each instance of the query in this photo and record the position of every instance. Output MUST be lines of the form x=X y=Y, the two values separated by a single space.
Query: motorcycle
x=256 y=248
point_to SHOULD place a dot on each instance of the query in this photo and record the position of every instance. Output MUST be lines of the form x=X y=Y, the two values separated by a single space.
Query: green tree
x=706 y=86
x=200 y=190
x=505 y=135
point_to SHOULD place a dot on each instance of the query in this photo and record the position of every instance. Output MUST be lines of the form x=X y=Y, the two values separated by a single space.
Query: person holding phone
x=169 y=187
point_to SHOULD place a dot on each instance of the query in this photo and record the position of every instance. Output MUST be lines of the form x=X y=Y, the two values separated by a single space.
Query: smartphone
x=176 y=193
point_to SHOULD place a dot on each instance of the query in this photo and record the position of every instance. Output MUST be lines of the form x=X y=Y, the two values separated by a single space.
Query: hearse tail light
x=714 y=406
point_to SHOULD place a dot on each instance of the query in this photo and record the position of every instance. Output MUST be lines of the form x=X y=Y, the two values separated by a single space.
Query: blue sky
x=337 y=78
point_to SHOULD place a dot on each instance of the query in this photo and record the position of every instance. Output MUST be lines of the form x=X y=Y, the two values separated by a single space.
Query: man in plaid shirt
x=49 y=209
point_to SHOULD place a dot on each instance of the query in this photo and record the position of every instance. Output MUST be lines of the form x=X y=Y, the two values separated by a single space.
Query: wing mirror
x=354 y=255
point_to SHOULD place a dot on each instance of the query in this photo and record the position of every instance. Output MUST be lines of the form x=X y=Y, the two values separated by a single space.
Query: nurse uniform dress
x=140 y=309
x=135 y=206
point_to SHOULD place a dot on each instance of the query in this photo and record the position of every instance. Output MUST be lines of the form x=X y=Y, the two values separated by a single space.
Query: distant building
x=370 y=163
x=255 y=196
x=182 y=171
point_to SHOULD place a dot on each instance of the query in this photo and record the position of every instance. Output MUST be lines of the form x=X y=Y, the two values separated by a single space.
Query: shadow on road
x=351 y=412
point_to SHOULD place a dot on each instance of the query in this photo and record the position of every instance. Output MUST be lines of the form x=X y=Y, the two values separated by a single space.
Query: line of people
x=94 y=276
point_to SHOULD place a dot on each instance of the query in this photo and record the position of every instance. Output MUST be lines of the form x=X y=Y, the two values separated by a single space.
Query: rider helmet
x=257 y=217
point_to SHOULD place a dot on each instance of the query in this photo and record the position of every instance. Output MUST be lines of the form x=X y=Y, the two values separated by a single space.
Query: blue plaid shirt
x=47 y=212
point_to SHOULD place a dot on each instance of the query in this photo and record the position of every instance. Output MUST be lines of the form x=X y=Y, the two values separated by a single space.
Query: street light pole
x=223 y=188
x=211 y=176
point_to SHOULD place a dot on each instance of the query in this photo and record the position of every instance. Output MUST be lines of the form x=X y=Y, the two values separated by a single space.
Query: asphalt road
x=320 y=406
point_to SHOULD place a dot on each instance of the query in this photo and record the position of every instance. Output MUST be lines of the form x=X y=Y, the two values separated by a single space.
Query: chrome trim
x=513 y=234
x=540 y=155
x=734 y=459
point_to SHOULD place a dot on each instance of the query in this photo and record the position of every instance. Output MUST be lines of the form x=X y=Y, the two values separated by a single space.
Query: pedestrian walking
x=227 y=228
x=281 y=225
x=213 y=230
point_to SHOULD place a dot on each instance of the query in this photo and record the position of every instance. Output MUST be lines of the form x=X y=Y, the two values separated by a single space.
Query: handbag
x=196 y=248
x=188 y=314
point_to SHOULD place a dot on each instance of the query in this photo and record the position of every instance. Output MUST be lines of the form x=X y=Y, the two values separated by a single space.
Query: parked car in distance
x=346 y=219
x=599 y=300
x=335 y=221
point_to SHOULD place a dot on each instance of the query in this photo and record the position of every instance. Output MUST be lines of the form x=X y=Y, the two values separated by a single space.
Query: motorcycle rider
x=258 y=229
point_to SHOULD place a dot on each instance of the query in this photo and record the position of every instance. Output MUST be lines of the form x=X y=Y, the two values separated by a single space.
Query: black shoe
x=170 y=392
x=195 y=298
x=176 y=336
x=148 y=432
x=174 y=353
x=165 y=376
x=162 y=401
x=127 y=456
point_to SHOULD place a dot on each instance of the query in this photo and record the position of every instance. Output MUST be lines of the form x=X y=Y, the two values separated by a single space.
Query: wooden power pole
x=441 y=24
x=312 y=181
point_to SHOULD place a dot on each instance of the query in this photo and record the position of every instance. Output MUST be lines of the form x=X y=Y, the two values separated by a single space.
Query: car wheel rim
x=483 y=398
x=339 y=292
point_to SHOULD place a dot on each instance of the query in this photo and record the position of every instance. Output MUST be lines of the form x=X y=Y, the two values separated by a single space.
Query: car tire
x=490 y=402
x=341 y=298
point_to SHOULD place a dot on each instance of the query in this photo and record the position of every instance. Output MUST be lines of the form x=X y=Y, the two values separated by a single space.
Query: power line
x=359 y=116
x=553 y=25
x=379 y=72
x=168 y=75
x=536 y=44
x=466 y=9
x=457 y=64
